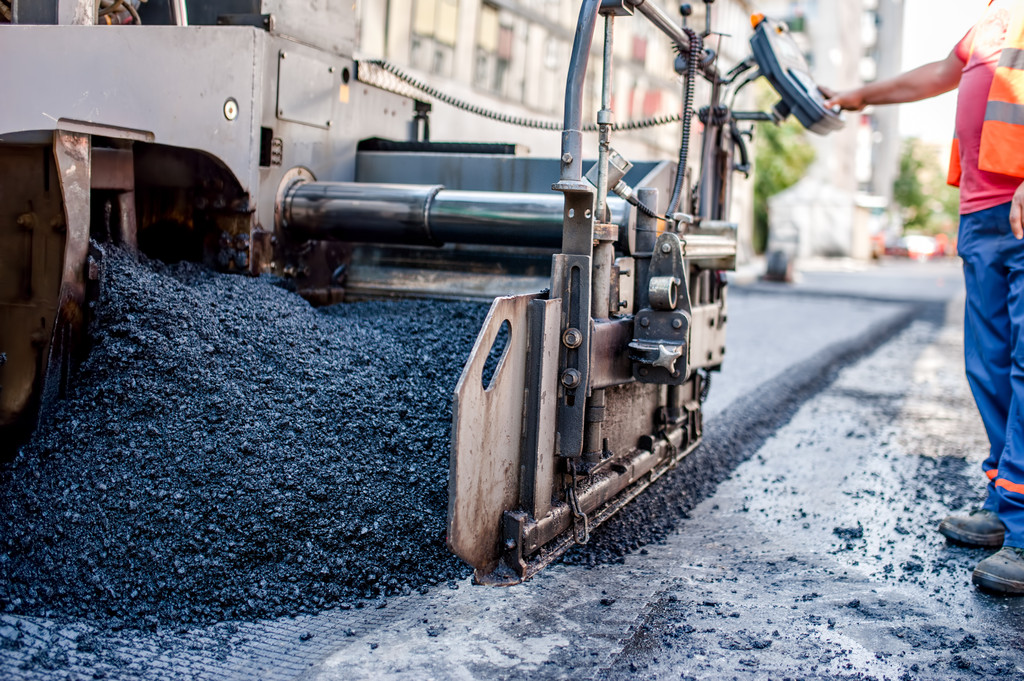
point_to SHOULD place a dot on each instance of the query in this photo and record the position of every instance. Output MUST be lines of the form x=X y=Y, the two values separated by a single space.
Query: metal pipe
x=573 y=115
x=426 y=215
x=179 y=13
x=572 y=140
x=664 y=23
x=604 y=117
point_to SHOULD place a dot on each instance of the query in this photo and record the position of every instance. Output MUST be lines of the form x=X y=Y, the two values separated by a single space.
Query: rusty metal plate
x=487 y=431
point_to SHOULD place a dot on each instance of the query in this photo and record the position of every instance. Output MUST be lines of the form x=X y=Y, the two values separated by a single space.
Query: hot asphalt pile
x=227 y=452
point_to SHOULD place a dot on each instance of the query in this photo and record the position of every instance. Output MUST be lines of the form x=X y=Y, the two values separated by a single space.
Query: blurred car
x=916 y=247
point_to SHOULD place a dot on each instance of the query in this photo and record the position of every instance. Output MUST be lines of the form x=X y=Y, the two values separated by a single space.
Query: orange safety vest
x=1002 y=133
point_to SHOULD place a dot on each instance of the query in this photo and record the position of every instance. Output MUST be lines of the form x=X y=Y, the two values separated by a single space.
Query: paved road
x=816 y=559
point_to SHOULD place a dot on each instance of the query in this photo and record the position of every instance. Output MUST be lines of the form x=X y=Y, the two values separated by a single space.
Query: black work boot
x=1002 y=572
x=980 y=527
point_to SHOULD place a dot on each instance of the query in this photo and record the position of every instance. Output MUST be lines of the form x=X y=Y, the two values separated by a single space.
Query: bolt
x=571 y=378
x=330 y=69
x=666 y=248
x=510 y=544
x=567 y=158
x=572 y=338
x=645 y=322
x=675 y=374
x=329 y=124
x=283 y=55
x=677 y=323
x=643 y=371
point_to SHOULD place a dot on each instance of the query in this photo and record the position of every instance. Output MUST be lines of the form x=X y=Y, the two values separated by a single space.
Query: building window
x=434 y=29
x=493 y=51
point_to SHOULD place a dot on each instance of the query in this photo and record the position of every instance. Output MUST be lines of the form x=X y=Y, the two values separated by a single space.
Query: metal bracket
x=572 y=274
x=660 y=346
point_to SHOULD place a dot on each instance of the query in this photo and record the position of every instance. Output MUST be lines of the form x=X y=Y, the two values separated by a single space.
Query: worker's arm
x=921 y=83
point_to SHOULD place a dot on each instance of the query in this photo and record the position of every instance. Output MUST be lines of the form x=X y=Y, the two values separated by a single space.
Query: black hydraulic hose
x=692 y=59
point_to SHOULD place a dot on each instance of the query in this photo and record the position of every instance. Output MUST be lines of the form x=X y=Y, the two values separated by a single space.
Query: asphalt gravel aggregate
x=226 y=451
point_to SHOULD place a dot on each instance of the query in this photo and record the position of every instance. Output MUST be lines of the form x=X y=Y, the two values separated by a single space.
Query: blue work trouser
x=994 y=351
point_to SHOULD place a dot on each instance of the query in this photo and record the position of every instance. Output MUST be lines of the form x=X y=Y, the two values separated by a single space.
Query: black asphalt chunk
x=229 y=452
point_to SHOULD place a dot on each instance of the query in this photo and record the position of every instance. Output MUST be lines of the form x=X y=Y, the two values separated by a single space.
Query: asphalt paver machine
x=243 y=134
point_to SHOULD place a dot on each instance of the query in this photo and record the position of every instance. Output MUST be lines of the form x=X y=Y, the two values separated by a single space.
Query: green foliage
x=929 y=205
x=782 y=157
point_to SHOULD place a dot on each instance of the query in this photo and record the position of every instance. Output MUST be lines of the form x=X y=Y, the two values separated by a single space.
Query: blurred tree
x=929 y=205
x=782 y=156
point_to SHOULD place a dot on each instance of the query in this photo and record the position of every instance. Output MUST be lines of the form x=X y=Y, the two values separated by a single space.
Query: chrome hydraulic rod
x=426 y=215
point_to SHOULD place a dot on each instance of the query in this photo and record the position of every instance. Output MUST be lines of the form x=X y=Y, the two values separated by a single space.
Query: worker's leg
x=1004 y=571
x=1009 y=483
x=987 y=328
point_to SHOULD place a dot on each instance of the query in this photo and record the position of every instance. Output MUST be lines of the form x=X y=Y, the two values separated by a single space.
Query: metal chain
x=506 y=118
x=705 y=387
x=577 y=509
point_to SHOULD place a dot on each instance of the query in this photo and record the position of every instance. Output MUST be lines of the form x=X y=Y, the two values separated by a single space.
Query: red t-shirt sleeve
x=963 y=48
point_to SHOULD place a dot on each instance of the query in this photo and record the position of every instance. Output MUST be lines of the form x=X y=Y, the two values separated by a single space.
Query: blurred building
x=846 y=43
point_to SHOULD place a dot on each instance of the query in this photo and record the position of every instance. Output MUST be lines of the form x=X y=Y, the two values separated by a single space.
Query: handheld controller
x=781 y=62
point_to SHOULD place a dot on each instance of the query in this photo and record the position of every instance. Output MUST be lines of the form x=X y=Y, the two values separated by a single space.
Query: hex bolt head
x=677 y=323
x=666 y=248
x=571 y=378
x=567 y=158
x=645 y=322
x=572 y=338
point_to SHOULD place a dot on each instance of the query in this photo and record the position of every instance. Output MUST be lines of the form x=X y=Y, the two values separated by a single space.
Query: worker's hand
x=1017 y=212
x=850 y=100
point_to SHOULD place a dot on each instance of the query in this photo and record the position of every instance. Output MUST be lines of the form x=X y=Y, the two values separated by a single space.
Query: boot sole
x=987 y=541
x=997 y=584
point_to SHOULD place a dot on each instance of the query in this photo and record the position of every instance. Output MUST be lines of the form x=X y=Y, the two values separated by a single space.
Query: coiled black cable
x=520 y=121
x=692 y=60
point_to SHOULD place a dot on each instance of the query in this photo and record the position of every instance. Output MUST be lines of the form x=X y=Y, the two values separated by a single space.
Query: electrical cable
x=696 y=47
x=520 y=121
